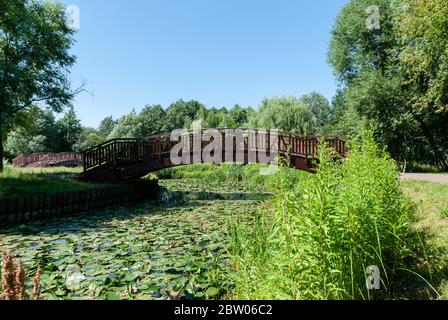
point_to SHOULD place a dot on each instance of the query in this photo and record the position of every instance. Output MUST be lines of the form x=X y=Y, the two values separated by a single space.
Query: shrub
x=326 y=230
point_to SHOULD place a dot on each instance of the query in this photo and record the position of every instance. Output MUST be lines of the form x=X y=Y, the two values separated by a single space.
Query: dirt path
x=436 y=178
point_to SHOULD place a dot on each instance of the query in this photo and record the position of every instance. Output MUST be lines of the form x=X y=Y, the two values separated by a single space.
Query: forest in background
x=392 y=79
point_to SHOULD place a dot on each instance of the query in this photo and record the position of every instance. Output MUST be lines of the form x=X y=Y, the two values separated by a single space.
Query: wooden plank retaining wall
x=26 y=208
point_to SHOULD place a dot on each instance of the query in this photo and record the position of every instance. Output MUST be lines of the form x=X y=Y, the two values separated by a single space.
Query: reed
x=13 y=280
x=326 y=229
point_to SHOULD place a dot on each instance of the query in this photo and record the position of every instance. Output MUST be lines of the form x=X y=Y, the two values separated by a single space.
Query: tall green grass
x=25 y=181
x=325 y=230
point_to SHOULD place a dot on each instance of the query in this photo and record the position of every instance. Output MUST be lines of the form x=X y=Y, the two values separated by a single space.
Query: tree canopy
x=395 y=77
x=34 y=60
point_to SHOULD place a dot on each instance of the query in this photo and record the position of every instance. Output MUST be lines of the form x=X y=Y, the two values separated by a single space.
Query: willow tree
x=34 y=60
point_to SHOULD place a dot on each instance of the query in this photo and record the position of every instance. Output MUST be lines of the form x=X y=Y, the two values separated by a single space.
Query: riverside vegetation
x=228 y=232
x=26 y=181
x=327 y=228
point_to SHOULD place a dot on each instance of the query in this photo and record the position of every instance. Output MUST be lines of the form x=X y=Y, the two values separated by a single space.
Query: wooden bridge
x=48 y=159
x=121 y=160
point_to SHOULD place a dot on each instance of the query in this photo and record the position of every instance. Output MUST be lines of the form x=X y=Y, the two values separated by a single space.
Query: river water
x=175 y=246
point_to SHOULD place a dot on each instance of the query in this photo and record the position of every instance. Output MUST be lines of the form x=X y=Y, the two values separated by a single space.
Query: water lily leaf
x=112 y=296
x=130 y=277
x=107 y=281
x=212 y=291
x=149 y=245
x=73 y=281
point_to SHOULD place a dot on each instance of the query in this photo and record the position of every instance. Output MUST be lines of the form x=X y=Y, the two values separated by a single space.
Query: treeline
x=40 y=131
x=310 y=114
x=392 y=79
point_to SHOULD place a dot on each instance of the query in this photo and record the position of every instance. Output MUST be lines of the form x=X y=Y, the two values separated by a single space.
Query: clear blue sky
x=220 y=52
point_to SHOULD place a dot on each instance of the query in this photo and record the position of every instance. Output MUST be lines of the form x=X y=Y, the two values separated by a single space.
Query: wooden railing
x=46 y=158
x=26 y=159
x=105 y=152
x=159 y=146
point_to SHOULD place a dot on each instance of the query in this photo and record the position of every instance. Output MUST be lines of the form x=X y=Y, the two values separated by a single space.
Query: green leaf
x=212 y=291
x=112 y=296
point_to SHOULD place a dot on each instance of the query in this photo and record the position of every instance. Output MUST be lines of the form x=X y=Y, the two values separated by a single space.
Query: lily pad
x=112 y=296
x=136 y=251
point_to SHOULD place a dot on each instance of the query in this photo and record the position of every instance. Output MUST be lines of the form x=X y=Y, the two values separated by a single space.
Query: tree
x=286 y=114
x=70 y=129
x=34 y=59
x=45 y=124
x=106 y=126
x=126 y=127
x=422 y=27
x=354 y=48
x=319 y=107
x=88 y=138
x=389 y=86
x=345 y=120
x=151 y=120
x=250 y=114
x=36 y=132
x=239 y=115
x=18 y=144
x=211 y=118
x=202 y=115
x=181 y=114
x=383 y=102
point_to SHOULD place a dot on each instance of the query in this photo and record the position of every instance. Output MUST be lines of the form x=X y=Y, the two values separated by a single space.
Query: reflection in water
x=181 y=196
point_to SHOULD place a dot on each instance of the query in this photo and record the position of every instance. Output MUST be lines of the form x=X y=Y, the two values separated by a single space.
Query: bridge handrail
x=108 y=142
x=25 y=159
x=134 y=149
x=42 y=157
x=168 y=134
x=92 y=152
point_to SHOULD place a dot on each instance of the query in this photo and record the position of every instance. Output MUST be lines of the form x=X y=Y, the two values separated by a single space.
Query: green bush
x=325 y=230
